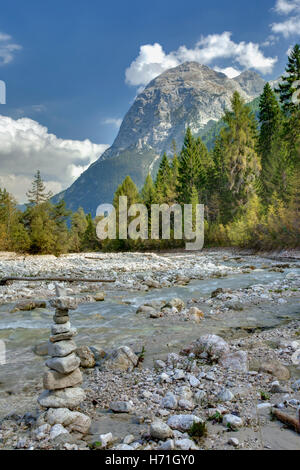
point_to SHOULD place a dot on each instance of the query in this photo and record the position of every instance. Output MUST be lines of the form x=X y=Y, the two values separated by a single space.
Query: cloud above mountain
x=7 y=48
x=291 y=25
x=153 y=60
x=30 y=146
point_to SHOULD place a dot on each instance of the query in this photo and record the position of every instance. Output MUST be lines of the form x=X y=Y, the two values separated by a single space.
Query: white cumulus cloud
x=291 y=25
x=26 y=145
x=153 y=60
x=7 y=48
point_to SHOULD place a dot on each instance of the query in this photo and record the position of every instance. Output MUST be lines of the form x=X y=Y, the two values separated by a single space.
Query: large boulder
x=122 y=358
x=211 y=346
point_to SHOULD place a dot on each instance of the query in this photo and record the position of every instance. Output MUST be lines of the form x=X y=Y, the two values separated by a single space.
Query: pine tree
x=13 y=235
x=38 y=194
x=189 y=168
x=270 y=120
x=78 y=228
x=148 y=192
x=240 y=163
x=90 y=241
x=41 y=227
x=163 y=181
x=60 y=217
x=287 y=88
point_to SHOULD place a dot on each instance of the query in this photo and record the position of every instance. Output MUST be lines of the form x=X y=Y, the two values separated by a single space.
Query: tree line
x=248 y=183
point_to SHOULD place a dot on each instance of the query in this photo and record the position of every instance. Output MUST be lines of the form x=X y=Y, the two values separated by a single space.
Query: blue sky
x=64 y=65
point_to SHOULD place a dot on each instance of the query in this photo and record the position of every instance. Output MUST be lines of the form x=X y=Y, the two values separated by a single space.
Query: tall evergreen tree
x=239 y=160
x=148 y=192
x=286 y=88
x=163 y=181
x=189 y=168
x=270 y=145
x=38 y=193
x=78 y=228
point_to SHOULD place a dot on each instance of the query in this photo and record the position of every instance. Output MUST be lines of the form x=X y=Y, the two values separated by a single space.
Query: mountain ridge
x=190 y=94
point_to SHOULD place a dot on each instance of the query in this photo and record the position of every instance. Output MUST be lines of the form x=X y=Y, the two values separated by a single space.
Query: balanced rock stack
x=62 y=380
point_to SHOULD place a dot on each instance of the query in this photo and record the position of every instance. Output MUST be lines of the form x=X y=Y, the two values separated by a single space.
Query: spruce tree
x=189 y=168
x=286 y=88
x=148 y=192
x=240 y=161
x=38 y=194
x=163 y=181
x=78 y=228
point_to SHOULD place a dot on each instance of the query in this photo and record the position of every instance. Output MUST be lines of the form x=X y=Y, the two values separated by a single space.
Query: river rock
x=196 y=314
x=57 y=430
x=41 y=349
x=183 y=422
x=72 y=420
x=169 y=401
x=237 y=361
x=63 y=336
x=186 y=404
x=61 y=348
x=86 y=356
x=99 y=296
x=57 y=329
x=232 y=421
x=212 y=345
x=68 y=398
x=53 y=380
x=160 y=430
x=225 y=395
x=146 y=309
x=27 y=305
x=275 y=368
x=64 y=303
x=64 y=365
x=61 y=320
x=122 y=358
x=296 y=358
x=185 y=444
x=168 y=445
x=121 y=406
x=106 y=439
x=177 y=303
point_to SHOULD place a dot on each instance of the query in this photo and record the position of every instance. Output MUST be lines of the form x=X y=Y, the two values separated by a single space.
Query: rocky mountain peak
x=191 y=95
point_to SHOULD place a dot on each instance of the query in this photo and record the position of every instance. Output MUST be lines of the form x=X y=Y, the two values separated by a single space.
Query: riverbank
x=252 y=302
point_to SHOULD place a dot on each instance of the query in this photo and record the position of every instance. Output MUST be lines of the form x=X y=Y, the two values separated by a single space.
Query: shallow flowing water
x=115 y=322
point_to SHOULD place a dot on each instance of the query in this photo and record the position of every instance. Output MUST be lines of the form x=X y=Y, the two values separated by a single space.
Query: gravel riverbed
x=166 y=308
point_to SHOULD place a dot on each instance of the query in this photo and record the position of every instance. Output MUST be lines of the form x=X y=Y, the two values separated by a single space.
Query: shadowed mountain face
x=188 y=95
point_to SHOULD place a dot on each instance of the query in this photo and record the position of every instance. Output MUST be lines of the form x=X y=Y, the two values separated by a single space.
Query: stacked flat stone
x=62 y=380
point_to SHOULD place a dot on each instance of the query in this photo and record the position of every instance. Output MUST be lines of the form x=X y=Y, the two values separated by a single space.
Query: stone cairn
x=62 y=381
